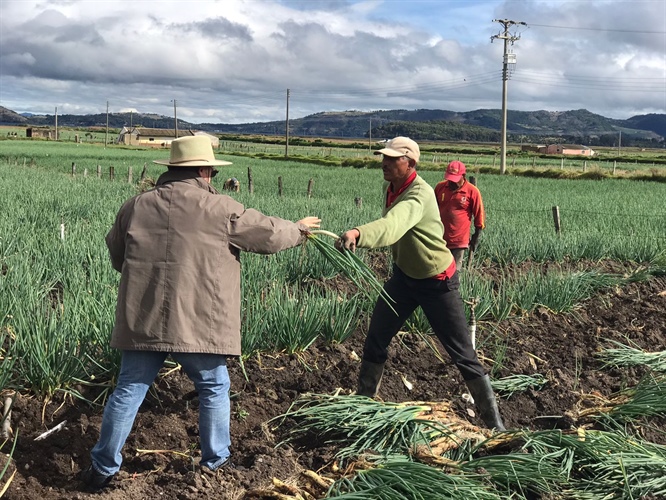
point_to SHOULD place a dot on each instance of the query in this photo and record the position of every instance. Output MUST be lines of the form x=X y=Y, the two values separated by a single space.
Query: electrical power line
x=596 y=78
x=656 y=85
x=461 y=81
x=439 y=88
x=647 y=32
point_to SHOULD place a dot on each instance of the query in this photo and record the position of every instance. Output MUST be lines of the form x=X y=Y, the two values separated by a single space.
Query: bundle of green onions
x=351 y=265
x=647 y=399
x=400 y=479
x=624 y=355
x=359 y=424
x=507 y=386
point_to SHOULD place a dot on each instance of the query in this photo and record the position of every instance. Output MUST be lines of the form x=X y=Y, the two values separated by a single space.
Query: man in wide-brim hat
x=177 y=248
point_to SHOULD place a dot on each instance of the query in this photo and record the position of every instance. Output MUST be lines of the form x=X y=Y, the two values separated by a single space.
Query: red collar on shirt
x=391 y=196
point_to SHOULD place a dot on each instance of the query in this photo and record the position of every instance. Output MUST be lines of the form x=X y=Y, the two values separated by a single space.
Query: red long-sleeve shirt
x=457 y=208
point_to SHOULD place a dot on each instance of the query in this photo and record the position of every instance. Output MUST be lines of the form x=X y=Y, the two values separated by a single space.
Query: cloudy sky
x=232 y=61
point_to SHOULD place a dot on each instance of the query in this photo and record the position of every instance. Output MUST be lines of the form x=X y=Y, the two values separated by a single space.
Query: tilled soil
x=560 y=346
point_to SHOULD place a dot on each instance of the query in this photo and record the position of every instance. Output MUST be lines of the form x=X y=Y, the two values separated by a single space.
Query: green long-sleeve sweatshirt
x=413 y=229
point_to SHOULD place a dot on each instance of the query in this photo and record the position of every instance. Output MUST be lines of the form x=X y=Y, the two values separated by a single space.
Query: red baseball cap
x=455 y=171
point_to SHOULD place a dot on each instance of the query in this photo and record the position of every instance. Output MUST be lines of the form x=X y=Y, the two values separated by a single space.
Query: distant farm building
x=40 y=133
x=157 y=137
x=559 y=149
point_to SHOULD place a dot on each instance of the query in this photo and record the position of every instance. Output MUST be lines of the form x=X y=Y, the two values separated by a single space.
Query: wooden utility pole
x=286 y=130
x=56 y=123
x=175 y=119
x=106 y=135
x=509 y=58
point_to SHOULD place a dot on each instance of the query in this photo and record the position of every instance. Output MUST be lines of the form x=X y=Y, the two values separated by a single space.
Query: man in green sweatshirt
x=424 y=274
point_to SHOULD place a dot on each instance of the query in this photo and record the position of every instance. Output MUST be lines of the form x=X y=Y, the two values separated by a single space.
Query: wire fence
x=564 y=219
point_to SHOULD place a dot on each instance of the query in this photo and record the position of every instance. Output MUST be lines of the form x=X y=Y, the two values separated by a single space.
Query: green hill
x=481 y=125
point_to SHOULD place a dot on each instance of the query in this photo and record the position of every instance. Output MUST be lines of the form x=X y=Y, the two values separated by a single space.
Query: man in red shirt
x=459 y=201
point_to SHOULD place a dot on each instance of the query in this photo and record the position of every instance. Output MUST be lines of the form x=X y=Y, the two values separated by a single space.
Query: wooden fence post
x=99 y=171
x=143 y=173
x=85 y=172
x=556 y=218
x=250 y=182
x=73 y=169
x=561 y=163
x=310 y=185
x=358 y=201
x=280 y=185
x=533 y=161
x=129 y=175
x=614 y=166
x=111 y=173
x=585 y=166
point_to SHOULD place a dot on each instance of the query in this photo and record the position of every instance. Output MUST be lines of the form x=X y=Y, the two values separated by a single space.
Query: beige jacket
x=177 y=248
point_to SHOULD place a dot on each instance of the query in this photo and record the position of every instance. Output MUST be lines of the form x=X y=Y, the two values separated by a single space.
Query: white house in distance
x=158 y=137
x=560 y=149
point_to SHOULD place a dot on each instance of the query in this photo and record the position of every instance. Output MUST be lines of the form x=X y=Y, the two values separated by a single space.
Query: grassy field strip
x=515 y=160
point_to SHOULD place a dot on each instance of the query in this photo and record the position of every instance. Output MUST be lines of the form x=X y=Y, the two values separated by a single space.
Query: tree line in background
x=483 y=125
x=451 y=131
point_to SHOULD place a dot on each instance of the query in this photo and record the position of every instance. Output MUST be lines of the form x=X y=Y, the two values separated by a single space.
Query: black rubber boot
x=484 y=398
x=94 y=480
x=369 y=378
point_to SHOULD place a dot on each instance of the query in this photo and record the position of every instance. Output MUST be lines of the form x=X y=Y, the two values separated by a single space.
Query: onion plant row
x=287 y=320
x=58 y=290
x=599 y=219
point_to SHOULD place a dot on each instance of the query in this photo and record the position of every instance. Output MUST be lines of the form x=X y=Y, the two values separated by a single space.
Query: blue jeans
x=138 y=369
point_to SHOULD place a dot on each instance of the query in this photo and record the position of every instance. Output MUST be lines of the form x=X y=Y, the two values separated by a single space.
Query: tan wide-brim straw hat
x=192 y=151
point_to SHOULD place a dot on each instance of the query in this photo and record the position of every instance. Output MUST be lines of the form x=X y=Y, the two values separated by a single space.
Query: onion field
x=57 y=304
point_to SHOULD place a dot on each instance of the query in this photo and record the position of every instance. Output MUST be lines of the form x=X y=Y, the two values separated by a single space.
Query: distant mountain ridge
x=482 y=125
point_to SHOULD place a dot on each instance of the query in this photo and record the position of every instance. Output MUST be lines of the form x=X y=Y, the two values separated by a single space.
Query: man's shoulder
x=132 y=200
x=418 y=191
x=472 y=189
x=421 y=183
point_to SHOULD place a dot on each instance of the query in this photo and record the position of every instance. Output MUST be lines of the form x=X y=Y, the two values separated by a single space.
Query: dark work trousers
x=443 y=306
